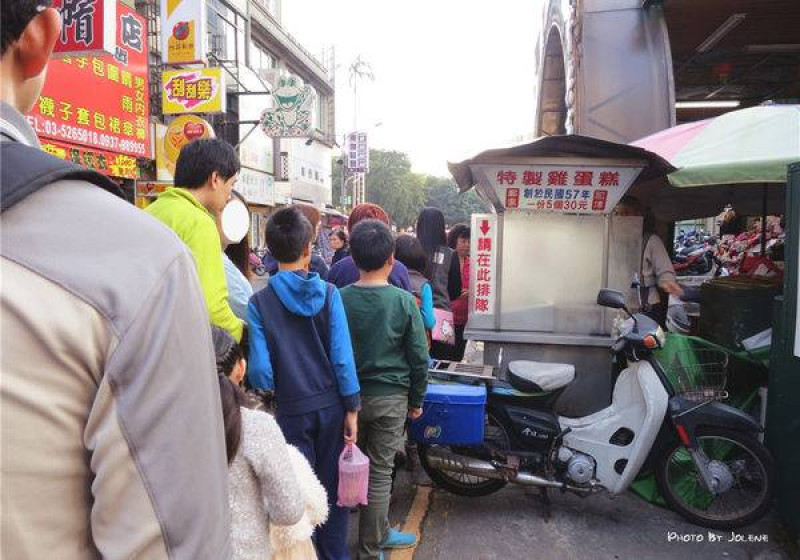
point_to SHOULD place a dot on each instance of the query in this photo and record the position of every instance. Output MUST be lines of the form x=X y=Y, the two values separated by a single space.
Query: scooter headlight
x=653 y=341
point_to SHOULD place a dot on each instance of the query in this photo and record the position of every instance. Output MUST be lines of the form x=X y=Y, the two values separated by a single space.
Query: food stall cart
x=550 y=244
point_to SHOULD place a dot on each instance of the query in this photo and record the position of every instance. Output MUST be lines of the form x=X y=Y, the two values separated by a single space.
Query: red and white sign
x=483 y=252
x=88 y=27
x=562 y=189
x=100 y=102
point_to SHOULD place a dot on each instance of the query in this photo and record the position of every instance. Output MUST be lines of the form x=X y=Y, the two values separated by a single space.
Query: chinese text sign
x=193 y=91
x=100 y=102
x=560 y=188
x=88 y=27
x=483 y=267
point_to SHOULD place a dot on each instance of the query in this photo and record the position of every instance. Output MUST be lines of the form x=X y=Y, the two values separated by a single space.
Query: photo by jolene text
x=716 y=537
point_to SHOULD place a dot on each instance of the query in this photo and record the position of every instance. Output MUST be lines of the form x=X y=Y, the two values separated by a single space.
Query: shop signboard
x=89 y=27
x=357 y=157
x=172 y=138
x=255 y=151
x=200 y=90
x=100 y=102
x=107 y=163
x=484 y=264
x=256 y=187
x=183 y=31
x=560 y=189
x=290 y=115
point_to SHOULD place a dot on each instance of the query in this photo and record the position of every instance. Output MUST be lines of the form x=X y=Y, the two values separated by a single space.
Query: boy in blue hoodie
x=300 y=348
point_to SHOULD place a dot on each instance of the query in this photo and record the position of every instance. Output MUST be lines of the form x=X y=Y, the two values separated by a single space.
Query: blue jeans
x=319 y=436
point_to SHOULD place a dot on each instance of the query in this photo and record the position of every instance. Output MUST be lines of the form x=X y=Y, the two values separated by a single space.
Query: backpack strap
x=26 y=169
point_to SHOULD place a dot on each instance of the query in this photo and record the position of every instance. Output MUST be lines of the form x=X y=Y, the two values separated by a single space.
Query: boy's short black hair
x=371 y=245
x=15 y=17
x=288 y=233
x=200 y=158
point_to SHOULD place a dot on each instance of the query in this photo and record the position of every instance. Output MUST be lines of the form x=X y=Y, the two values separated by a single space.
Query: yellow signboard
x=200 y=90
x=183 y=31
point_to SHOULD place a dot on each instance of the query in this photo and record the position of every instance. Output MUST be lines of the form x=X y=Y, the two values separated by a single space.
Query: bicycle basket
x=701 y=374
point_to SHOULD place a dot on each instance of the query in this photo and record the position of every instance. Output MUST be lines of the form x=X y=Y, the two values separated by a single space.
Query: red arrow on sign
x=485 y=227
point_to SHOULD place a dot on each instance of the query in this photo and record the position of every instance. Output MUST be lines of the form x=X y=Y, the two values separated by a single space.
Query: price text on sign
x=100 y=102
x=560 y=189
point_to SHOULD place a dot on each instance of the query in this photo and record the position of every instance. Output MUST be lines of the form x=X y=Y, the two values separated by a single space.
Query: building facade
x=110 y=112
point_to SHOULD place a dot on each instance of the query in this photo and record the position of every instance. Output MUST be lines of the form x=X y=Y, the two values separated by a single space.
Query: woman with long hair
x=445 y=277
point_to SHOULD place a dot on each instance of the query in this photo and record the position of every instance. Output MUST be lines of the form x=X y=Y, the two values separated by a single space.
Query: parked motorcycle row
x=697 y=253
x=709 y=464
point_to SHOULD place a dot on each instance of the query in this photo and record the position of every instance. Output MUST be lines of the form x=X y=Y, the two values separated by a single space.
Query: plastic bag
x=353 y=477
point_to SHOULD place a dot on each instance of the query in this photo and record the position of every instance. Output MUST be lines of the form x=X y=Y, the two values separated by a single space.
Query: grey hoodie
x=112 y=436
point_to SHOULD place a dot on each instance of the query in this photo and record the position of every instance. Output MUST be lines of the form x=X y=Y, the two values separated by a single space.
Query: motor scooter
x=708 y=463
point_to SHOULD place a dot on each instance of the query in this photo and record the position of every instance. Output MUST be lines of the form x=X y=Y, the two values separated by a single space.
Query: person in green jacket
x=205 y=175
x=391 y=352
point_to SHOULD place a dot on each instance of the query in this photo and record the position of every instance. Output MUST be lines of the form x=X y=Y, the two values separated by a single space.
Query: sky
x=452 y=78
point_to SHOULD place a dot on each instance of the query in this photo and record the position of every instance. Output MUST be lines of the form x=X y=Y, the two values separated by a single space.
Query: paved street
x=509 y=525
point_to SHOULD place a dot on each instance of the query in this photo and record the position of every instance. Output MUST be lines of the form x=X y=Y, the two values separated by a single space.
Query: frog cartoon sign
x=291 y=115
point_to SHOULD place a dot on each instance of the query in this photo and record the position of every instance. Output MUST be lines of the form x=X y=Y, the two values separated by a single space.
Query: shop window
x=226 y=30
x=260 y=58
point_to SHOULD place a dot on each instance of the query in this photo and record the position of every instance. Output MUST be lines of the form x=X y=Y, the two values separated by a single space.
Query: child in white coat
x=275 y=499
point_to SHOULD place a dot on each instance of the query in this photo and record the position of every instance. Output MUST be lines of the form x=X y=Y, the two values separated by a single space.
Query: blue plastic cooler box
x=452 y=414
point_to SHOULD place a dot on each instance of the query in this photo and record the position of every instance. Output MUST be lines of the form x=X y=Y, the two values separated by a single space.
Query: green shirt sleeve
x=205 y=247
x=416 y=348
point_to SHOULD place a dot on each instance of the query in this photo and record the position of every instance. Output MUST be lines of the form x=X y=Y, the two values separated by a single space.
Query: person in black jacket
x=444 y=271
x=338 y=239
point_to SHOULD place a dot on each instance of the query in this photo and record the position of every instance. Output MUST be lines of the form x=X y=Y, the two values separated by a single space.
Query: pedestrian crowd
x=133 y=345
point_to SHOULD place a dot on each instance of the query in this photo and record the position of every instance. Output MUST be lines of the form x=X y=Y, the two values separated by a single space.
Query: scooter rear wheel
x=741 y=464
x=467 y=485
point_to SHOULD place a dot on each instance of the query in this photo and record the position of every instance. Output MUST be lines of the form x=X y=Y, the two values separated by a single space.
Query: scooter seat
x=537 y=377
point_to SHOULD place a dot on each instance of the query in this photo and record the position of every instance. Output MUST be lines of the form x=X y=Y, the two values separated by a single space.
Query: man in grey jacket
x=112 y=436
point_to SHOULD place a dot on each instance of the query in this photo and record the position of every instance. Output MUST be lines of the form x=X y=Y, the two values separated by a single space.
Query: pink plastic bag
x=353 y=477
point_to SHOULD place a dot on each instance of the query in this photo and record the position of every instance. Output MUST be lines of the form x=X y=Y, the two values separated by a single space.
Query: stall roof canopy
x=739 y=158
x=568 y=146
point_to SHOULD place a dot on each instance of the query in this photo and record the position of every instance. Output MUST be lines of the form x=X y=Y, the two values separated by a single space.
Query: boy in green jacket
x=391 y=353
x=205 y=175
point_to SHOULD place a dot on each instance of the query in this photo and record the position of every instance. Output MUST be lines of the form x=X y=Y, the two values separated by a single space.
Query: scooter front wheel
x=463 y=484
x=742 y=470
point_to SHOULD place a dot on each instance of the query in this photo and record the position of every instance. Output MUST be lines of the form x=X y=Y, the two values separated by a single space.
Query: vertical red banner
x=101 y=102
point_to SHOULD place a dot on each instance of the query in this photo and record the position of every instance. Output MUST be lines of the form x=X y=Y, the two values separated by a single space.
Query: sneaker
x=396 y=539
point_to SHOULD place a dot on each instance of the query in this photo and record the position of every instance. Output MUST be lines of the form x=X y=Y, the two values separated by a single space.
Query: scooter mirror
x=611 y=298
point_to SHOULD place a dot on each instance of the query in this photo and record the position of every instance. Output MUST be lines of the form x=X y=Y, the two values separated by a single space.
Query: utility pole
x=359 y=70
